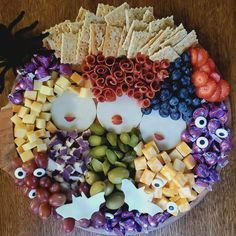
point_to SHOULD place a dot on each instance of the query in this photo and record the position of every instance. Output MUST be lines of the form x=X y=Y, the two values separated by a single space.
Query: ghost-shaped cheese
x=165 y=131
x=71 y=112
x=119 y=116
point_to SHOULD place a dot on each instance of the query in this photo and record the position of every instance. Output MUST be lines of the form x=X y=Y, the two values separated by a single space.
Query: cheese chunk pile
x=168 y=177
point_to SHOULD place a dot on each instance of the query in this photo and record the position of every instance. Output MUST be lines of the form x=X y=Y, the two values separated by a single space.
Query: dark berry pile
x=177 y=95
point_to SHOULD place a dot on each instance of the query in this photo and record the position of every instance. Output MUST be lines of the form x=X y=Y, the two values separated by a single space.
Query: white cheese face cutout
x=71 y=112
x=169 y=131
x=124 y=107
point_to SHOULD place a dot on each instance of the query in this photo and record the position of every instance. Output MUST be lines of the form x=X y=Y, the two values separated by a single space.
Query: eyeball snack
x=119 y=131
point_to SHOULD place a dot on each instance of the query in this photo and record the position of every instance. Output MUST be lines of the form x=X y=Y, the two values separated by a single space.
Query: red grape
x=31 y=181
x=45 y=182
x=45 y=211
x=16 y=162
x=84 y=188
x=57 y=199
x=55 y=188
x=68 y=224
x=43 y=195
x=41 y=159
x=34 y=206
x=19 y=182
x=98 y=219
x=29 y=166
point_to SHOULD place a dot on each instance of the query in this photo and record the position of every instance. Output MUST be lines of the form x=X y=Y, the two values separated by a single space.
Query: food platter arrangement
x=120 y=120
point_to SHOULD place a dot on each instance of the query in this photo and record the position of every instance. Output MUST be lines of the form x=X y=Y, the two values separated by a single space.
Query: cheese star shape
x=138 y=199
x=81 y=207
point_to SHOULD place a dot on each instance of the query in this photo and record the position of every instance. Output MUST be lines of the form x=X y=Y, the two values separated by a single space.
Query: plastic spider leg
x=26 y=29
x=16 y=21
x=2 y=77
x=39 y=37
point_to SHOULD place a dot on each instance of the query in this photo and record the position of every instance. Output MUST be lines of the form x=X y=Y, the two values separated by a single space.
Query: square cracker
x=68 y=48
x=75 y=27
x=159 y=24
x=104 y=9
x=97 y=33
x=121 y=50
x=81 y=52
x=111 y=41
x=148 y=16
x=165 y=53
x=117 y=16
x=177 y=29
x=188 y=41
x=81 y=14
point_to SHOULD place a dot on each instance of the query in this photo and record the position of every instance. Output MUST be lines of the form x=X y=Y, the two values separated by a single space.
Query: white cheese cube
x=37 y=84
x=20 y=131
x=19 y=141
x=63 y=82
x=46 y=90
x=40 y=123
x=47 y=141
x=29 y=146
x=47 y=134
x=16 y=120
x=50 y=83
x=30 y=95
x=86 y=93
x=45 y=115
x=32 y=136
x=29 y=119
x=28 y=102
x=58 y=90
x=42 y=147
x=41 y=98
x=26 y=156
x=36 y=106
x=23 y=111
x=35 y=113
x=46 y=106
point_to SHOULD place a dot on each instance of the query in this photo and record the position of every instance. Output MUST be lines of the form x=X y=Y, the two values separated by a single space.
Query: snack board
x=121 y=126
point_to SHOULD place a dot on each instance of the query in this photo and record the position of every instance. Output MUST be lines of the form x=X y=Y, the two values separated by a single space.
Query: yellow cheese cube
x=198 y=188
x=51 y=98
x=37 y=107
x=175 y=198
x=29 y=119
x=30 y=127
x=50 y=83
x=16 y=120
x=183 y=205
x=147 y=177
x=37 y=85
x=149 y=152
x=74 y=89
x=138 y=175
x=152 y=144
x=40 y=133
x=168 y=192
x=154 y=164
x=140 y=163
x=40 y=123
x=193 y=196
x=39 y=141
x=20 y=131
x=86 y=93
x=165 y=157
x=29 y=146
x=138 y=149
x=157 y=193
x=159 y=157
x=180 y=180
x=41 y=98
x=140 y=185
x=175 y=154
x=47 y=141
x=162 y=203
x=87 y=84
x=16 y=108
x=58 y=90
x=184 y=149
x=179 y=165
x=185 y=192
x=35 y=113
x=54 y=75
x=19 y=141
x=162 y=178
x=190 y=178
x=32 y=136
x=23 y=111
x=46 y=106
x=32 y=95
x=75 y=77
x=190 y=162
x=20 y=149
x=45 y=115
x=27 y=155
x=149 y=190
x=28 y=102
x=47 y=134
x=172 y=185
x=46 y=90
x=63 y=82
x=42 y=147
x=51 y=127
x=168 y=171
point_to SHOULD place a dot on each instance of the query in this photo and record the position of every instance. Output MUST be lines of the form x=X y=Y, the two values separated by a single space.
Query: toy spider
x=16 y=48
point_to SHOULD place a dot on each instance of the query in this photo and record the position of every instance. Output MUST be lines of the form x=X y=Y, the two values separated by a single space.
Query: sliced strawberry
x=199 y=78
x=194 y=54
x=215 y=76
x=205 y=68
x=202 y=57
x=211 y=63
x=225 y=89
x=207 y=90
x=216 y=95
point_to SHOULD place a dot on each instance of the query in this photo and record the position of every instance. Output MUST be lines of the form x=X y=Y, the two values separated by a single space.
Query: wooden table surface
x=214 y=22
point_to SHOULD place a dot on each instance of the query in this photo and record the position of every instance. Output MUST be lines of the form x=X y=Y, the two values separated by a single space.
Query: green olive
x=129 y=157
x=120 y=164
x=97 y=165
x=133 y=140
x=111 y=156
x=131 y=165
x=118 y=186
x=119 y=154
x=98 y=151
x=125 y=138
x=91 y=177
x=106 y=166
x=96 y=128
x=97 y=187
x=112 y=138
x=109 y=187
x=95 y=140
x=124 y=148
x=117 y=174
x=115 y=200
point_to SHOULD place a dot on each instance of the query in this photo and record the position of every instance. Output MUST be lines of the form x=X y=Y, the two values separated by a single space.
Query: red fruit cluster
x=207 y=81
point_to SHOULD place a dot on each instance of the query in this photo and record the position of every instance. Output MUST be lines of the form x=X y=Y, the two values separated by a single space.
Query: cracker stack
x=118 y=31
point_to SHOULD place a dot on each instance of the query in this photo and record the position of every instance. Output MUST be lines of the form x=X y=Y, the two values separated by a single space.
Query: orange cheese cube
x=168 y=192
x=180 y=180
x=51 y=127
x=154 y=164
x=74 y=89
x=20 y=149
x=16 y=108
x=183 y=205
x=179 y=165
x=138 y=175
x=87 y=84
x=75 y=77
x=190 y=162
x=147 y=177
x=157 y=193
x=162 y=203
x=140 y=163
x=159 y=157
x=165 y=157
x=152 y=144
x=30 y=127
x=168 y=171
x=27 y=155
x=185 y=192
x=175 y=154
x=184 y=149
x=149 y=152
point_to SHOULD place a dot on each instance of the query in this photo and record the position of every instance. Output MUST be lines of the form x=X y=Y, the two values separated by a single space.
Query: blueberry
x=165 y=106
x=171 y=67
x=186 y=118
x=174 y=101
x=154 y=101
x=186 y=56
x=146 y=111
x=188 y=112
x=185 y=80
x=163 y=113
x=175 y=116
x=165 y=95
x=196 y=102
x=183 y=93
x=187 y=70
x=176 y=74
x=173 y=109
x=156 y=106
x=165 y=85
x=191 y=89
x=182 y=107
x=176 y=86
x=188 y=101
x=178 y=62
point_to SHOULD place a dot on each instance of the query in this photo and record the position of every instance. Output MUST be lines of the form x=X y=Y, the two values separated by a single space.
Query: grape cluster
x=177 y=94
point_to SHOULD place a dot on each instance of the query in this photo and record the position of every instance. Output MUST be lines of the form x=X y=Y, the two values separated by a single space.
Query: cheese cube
x=74 y=89
x=168 y=171
x=154 y=164
x=162 y=203
x=32 y=136
x=32 y=95
x=175 y=154
x=86 y=93
x=138 y=149
x=37 y=85
x=147 y=177
x=20 y=149
x=58 y=90
x=39 y=141
x=16 y=120
x=40 y=133
x=54 y=75
x=23 y=111
x=29 y=119
x=159 y=157
x=140 y=185
x=47 y=141
x=183 y=205
x=46 y=90
x=168 y=192
x=19 y=141
x=140 y=163
x=30 y=127
x=27 y=155
x=191 y=178
x=165 y=157
x=41 y=98
x=50 y=83
x=152 y=144
x=185 y=192
x=180 y=180
x=51 y=98
x=162 y=178
x=47 y=134
x=42 y=147
x=157 y=193
x=16 y=108
x=46 y=106
x=193 y=196
x=198 y=188
x=20 y=131
x=29 y=146
x=138 y=175
x=40 y=123
x=179 y=165
x=175 y=198
x=148 y=190
x=36 y=106
x=51 y=127
x=75 y=77
x=87 y=84
x=184 y=149
x=63 y=82
x=35 y=113
x=28 y=102
x=149 y=152
x=172 y=185
x=190 y=162
x=46 y=116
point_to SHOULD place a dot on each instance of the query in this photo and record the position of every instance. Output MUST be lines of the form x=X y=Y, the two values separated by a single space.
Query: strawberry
x=199 y=78
x=202 y=57
x=194 y=55
x=211 y=63
x=207 y=90
x=225 y=89
x=69 y=118
x=215 y=76
x=116 y=119
x=216 y=95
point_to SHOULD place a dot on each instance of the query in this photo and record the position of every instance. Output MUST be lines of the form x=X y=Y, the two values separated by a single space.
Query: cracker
x=111 y=41
x=176 y=38
x=121 y=50
x=135 y=26
x=68 y=48
x=81 y=14
x=104 y=9
x=117 y=16
x=159 y=24
x=75 y=27
x=81 y=52
x=97 y=33
x=177 y=29
x=165 y=53
x=188 y=41
x=148 y=16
